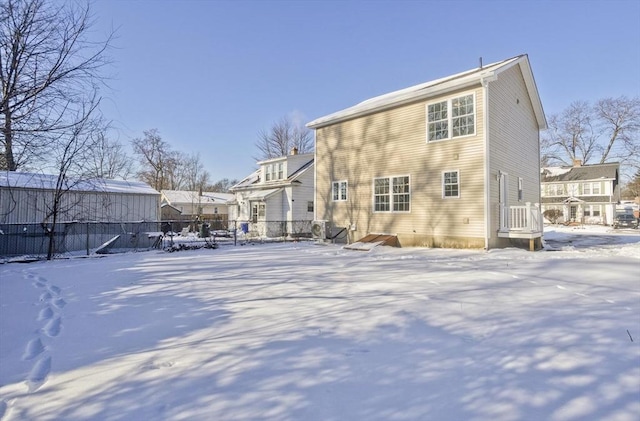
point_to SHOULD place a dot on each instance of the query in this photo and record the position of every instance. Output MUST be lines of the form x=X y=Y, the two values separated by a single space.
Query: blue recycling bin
x=244 y=227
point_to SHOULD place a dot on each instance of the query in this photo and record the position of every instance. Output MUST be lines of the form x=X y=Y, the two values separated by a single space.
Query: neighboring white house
x=192 y=204
x=585 y=194
x=277 y=199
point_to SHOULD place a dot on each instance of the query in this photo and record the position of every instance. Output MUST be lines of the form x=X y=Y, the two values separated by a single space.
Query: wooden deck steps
x=370 y=241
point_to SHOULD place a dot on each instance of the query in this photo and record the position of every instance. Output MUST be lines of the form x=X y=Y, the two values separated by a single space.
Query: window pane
x=450 y=185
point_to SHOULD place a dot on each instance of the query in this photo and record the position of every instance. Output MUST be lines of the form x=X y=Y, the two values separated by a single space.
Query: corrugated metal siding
x=393 y=143
x=514 y=143
x=19 y=205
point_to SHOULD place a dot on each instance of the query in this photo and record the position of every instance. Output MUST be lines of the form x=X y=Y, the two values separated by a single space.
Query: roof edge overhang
x=435 y=88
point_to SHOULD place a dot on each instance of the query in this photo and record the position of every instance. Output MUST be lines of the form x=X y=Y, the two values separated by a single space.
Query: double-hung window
x=451 y=184
x=451 y=118
x=392 y=194
x=339 y=191
x=267 y=176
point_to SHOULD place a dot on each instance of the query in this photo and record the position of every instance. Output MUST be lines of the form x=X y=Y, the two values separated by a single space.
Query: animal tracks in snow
x=51 y=318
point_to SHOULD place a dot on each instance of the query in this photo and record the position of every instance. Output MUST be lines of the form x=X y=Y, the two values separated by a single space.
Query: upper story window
x=274 y=171
x=591 y=189
x=392 y=194
x=451 y=184
x=280 y=171
x=339 y=191
x=451 y=118
x=554 y=190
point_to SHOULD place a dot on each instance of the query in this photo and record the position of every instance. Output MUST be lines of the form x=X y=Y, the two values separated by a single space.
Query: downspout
x=315 y=175
x=487 y=167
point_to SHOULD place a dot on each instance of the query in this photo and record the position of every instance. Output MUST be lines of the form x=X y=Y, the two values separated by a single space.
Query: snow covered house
x=277 y=199
x=449 y=163
x=582 y=193
x=189 y=206
x=111 y=207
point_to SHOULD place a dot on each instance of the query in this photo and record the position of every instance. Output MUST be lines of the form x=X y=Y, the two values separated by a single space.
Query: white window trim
x=459 y=185
x=339 y=184
x=450 y=116
x=390 y=178
x=520 y=190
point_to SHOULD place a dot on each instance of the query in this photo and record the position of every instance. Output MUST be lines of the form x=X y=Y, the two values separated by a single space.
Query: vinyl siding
x=514 y=144
x=394 y=143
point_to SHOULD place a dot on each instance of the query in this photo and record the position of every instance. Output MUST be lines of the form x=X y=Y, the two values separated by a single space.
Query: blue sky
x=209 y=75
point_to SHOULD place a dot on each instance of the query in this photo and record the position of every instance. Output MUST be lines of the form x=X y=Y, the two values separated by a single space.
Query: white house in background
x=585 y=194
x=277 y=199
x=189 y=205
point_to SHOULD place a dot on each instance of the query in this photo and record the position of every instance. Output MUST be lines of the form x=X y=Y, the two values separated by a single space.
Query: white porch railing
x=521 y=219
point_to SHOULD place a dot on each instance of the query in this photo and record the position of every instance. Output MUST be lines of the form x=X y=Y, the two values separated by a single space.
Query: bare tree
x=571 y=135
x=282 y=138
x=109 y=159
x=197 y=178
x=70 y=152
x=49 y=69
x=606 y=132
x=222 y=186
x=155 y=159
x=619 y=121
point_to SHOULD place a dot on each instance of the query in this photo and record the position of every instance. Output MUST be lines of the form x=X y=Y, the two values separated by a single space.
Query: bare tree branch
x=49 y=70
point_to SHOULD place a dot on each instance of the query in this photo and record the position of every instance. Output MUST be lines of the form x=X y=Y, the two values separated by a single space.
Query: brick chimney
x=294 y=151
x=577 y=162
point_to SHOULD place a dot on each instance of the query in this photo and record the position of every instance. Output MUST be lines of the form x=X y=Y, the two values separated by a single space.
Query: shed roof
x=12 y=179
x=440 y=87
x=580 y=173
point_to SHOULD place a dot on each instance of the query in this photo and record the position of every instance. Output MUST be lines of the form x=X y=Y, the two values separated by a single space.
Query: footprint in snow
x=45 y=314
x=156 y=366
x=53 y=327
x=39 y=373
x=55 y=290
x=34 y=348
x=45 y=296
x=59 y=303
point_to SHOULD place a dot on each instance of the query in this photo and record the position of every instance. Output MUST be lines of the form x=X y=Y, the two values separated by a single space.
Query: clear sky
x=209 y=75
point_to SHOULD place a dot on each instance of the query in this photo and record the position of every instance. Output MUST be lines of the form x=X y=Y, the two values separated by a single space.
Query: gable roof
x=440 y=87
x=253 y=180
x=580 y=173
x=25 y=180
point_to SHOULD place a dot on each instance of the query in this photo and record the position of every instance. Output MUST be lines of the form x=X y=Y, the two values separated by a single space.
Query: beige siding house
x=449 y=163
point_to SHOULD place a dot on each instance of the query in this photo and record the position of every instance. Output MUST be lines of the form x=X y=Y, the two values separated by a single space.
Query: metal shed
x=91 y=212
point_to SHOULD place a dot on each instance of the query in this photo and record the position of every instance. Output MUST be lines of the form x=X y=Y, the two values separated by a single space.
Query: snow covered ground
x=299 y=331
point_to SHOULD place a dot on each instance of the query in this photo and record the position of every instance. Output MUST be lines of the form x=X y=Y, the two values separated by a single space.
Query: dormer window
x=280 y=171
x=267 y=175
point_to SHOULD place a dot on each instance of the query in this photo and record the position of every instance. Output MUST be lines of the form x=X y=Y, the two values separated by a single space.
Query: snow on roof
x=48 y=182
x=187 y=196
x=555 y=171
x=252 y=178
x=608 y=171
x=438 y=87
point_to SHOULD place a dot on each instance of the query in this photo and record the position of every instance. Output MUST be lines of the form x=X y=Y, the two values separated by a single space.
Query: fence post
x=235 y=232
x=86 y=227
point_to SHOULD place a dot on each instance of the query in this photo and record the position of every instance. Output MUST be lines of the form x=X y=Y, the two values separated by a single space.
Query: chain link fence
x=78 y=238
